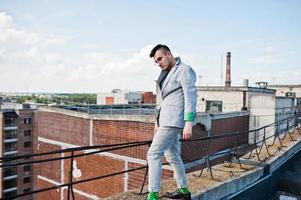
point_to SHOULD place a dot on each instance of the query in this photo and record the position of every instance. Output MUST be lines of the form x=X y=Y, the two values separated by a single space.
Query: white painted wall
x=119 y=98
x=281 y=90
x=261 y=106
x=232 y=100
x=285 y=108
x=262 y=113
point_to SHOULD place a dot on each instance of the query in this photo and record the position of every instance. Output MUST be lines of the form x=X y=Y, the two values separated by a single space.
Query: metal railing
x=258 y=145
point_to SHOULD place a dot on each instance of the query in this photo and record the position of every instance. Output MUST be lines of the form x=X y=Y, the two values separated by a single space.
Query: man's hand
x=156 y=128
x=187 y=131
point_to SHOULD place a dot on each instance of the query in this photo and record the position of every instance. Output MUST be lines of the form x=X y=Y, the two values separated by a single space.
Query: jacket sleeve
x=187 y=81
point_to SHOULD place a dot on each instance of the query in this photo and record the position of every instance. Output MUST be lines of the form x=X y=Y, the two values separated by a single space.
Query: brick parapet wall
x=64 y=128
x=84 y=129
x=137 y=118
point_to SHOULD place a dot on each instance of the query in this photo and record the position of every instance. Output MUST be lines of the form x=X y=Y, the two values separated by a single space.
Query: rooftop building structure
x=118 y=96
x=287 y=90
x=60 y=128
x=258 y=101
x=16 y=139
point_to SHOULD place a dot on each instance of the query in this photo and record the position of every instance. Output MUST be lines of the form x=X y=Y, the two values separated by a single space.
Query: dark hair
x=156 y=48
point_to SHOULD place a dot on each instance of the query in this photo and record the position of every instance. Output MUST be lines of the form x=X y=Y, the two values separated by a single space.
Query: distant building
x=148 y=98
x=5 y=98
x=287 y=90
x=258 y=101
x=16 y=130
x=118 y=96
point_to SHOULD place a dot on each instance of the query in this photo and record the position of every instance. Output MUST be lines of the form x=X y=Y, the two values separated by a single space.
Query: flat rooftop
x=145 y=109
x=236 y=89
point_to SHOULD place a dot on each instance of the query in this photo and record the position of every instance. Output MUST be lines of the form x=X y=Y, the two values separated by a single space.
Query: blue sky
x=94 y=46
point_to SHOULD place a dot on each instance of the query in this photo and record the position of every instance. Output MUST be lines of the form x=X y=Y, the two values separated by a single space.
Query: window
x=26 y=179
x=26 y=168
x=11 y=146
x=214 y=106
x=27 y=120
x=11 y=161
x=10 y=171
x=10 y=194
x=10 y=183
x=27 y=132
x=27 y=144
x=10 y=121
x=12 y=134
x=290 y=94
x=26 y=190
x=26 y=156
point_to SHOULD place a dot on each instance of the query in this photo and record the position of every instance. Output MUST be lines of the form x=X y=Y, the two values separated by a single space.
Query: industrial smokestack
x=228 y=70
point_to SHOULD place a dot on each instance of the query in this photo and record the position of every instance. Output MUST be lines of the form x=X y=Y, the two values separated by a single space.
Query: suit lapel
x=162 y=75
x=172 y=71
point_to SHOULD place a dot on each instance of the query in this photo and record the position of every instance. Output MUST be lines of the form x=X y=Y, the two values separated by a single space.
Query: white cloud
x=136 y=71
x=53 y=58
x=54 y=71
x=90 y=46
x=272 y=77
x=270 y=49
x=39 y=62
x=52 y=40
x=297 y=74
x=20 y=49
x=271 y=56
x=66 y=13
x=32 y=58
x=36 y=60
x=6 y=21
x=267 y=59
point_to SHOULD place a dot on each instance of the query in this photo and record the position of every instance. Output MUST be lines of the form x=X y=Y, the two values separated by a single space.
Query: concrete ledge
x=285 y=153
x=226 y=183
x=280 y=154
x=204 y=187
x=228 y=186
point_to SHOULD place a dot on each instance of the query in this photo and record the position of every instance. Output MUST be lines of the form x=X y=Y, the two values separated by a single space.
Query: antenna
x=221 y=69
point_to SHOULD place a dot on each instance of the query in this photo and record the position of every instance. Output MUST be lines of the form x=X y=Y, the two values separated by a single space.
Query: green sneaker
x=153 y=196
x=184 y=190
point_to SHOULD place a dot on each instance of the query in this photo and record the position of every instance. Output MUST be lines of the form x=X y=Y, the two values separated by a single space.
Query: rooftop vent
x=262 y=84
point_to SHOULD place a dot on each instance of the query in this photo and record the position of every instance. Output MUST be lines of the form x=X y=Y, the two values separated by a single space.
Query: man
x=176 y=114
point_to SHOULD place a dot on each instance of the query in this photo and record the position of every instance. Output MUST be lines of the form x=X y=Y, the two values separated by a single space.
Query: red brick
x=47 y=195
x=64 y=128
x=93 y=166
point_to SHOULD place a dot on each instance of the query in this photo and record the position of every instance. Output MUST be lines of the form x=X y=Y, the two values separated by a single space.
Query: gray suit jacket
x=178 y=95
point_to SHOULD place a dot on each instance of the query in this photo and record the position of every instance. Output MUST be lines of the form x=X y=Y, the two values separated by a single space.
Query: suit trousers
x=165 y=142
